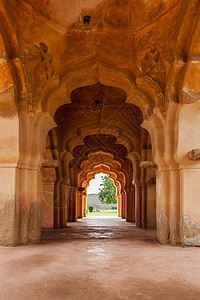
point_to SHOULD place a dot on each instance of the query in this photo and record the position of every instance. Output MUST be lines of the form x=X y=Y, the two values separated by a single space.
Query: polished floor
x=99 y=258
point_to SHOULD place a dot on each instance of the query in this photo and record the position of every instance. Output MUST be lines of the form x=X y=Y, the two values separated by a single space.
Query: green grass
x=111 y=212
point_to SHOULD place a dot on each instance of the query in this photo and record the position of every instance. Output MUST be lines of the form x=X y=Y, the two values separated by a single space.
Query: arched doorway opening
x=97 y=131
x=102 y=195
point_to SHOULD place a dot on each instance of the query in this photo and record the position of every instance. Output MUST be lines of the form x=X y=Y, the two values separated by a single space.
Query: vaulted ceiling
x=100 y=67
x=96 y=41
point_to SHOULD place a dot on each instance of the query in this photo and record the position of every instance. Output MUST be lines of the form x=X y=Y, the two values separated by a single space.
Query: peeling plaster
x=35 y=222
x=163 y=229
x=23 y=227
x=174 y=231
x=190 y=232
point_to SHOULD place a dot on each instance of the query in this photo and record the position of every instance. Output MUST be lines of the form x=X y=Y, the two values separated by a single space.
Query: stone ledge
x=50 y=163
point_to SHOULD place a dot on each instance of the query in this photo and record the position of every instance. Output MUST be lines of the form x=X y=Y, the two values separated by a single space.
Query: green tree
x=107 y=191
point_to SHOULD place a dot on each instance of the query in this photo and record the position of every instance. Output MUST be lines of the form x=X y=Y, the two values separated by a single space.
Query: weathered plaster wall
x=48 y=178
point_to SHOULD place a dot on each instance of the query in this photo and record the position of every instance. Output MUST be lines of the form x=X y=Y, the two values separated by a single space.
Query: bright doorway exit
x=102 y=197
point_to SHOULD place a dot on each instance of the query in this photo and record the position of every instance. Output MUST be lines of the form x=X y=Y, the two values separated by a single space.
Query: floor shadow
x=94 y=229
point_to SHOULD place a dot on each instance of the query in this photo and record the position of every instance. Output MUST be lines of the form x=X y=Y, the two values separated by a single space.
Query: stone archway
x=152 y=68
x=119 y=180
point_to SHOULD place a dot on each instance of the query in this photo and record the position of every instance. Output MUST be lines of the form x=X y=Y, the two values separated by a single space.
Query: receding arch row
x=122 y=174
x=120 y=119
x=119 y=183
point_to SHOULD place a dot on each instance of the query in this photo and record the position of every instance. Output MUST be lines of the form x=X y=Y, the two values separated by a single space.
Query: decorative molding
x=39 y=68
x=50 y=163
x=154 y=91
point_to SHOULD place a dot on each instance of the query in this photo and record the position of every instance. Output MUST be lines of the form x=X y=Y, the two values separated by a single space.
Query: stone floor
x=99 y=258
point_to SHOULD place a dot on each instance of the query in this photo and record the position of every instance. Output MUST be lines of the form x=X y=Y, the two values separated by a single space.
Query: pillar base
x=8 y=223
x=163 y=229
x=190 y=232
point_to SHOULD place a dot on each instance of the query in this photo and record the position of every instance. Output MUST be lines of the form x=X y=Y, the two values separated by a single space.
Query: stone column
x=84 y=204
x=9 y=155
x=143 y=186
x=148 y=182
x=163 y=205
x=119 y=205
x=189 y=206
x=130 y=204
x=151 y=199
x=143 y=190
x=8 y=204
x=33 y=134
x=80 y=202
x=123 y=204
x=73 y=204
x=57 y=204
x=48 y=178
x=138 y=205
x=34 y=205
x=174 y=174
x=187 y=189
x=63 y=205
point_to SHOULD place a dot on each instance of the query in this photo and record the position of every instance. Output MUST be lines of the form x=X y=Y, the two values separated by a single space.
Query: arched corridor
x=97 y=92
x=95 y=86
x=85 y=145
